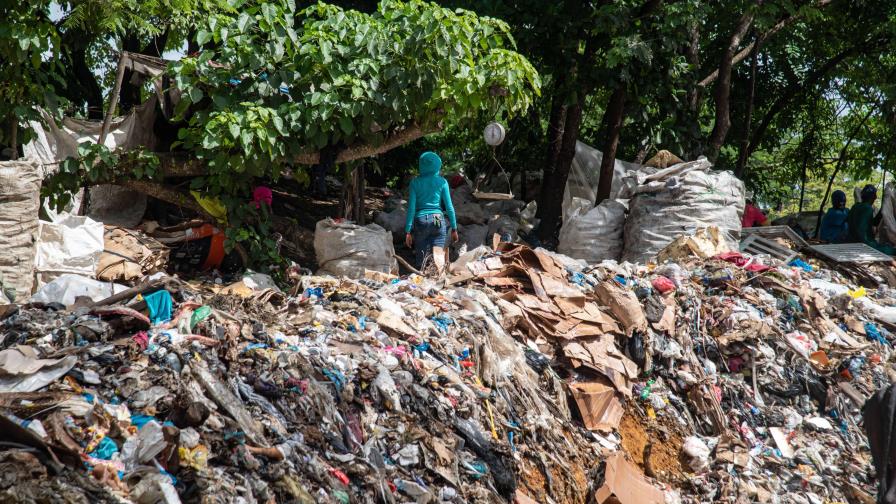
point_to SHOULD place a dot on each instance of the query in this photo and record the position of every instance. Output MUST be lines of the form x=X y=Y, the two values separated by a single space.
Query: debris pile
x=524 y=376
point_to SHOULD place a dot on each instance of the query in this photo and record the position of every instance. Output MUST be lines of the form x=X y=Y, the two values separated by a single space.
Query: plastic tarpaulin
x=19 y=205
x=584 y=175
x=65 y=289
x=677 y=201
x=22 y=371
x=54 y=143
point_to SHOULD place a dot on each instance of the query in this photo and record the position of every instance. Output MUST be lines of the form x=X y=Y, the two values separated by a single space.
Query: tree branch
x=722 y=94
x=793 y=90
x=757 y=43
x=178 y=165
x=396 y=139
x=167 y=194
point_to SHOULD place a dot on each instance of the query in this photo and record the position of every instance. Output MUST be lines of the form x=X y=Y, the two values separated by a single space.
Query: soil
x=663 y=458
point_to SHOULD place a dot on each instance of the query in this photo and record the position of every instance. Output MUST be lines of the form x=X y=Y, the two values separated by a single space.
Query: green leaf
x=346 y=124
x=195 y=94
x=243 y=21
x=202 y=37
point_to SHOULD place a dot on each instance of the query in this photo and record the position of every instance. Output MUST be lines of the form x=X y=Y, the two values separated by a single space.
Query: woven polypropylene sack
x=347 y=249
x=887 y=230
x=19 y=203
x=593 y=234
x=678 y=201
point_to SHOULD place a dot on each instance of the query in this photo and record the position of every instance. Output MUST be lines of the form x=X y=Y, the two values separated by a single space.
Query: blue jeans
x=428 y=231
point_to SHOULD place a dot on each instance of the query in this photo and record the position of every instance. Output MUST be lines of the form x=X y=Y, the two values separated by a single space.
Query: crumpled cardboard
x=624 y=305
x=624 y=483
x=598 y=404
x=128 y=255
x=705 y=243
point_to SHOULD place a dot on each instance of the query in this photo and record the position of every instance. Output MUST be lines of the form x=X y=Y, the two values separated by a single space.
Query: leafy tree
x=272 y=86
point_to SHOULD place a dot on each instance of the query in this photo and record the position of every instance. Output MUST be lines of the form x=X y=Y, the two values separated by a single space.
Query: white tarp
x=54 y=143
x=19 y=205
x=71 y=244
x=584 y=176
x=677 y=201
x=347 y=249
x=593 y=234
x=65 y=289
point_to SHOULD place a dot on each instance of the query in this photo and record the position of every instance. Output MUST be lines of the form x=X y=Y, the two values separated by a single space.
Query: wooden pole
x=113 y=99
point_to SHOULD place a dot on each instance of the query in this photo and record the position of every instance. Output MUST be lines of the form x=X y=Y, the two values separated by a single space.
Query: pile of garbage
x=523 y=376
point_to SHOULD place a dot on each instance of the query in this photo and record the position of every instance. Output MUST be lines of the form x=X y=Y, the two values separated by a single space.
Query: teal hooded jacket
x=429 y=193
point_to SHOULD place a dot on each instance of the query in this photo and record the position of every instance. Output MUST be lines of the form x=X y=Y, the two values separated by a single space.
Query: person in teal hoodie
x=429 y=202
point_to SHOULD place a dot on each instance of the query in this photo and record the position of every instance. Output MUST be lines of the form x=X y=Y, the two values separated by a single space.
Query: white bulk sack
x=593 y=234
x=71 y=244
x=584 y=176
x=347 y=249
x=19 y=204
x=677 y=201
x=886 y=233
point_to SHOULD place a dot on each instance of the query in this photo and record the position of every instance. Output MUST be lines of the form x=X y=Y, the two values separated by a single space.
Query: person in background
x=753 y=216
x=834 y=228
x=429 y=202
x=862 y=221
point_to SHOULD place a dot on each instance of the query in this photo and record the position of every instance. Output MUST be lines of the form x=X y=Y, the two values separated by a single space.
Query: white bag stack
x=678 y=201
x=347 y=249
x=593 y=234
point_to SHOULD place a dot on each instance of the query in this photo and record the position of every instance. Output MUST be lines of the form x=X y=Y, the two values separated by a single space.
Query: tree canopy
x=789 y=94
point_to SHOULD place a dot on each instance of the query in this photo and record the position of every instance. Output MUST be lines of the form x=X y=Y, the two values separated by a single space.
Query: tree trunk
x=748 y=123
x=722 y=93
x=692 y=54
x=803 y=181
x=553 y=187
x=841 y=160
x=353 y=195
x=556 y=123
x=14 y=137
x=613 y=118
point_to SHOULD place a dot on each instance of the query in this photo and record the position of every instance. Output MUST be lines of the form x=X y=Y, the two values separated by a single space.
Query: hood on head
x=430 y=163
x=838 y=198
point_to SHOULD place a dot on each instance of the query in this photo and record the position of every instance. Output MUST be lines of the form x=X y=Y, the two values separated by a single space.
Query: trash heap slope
x=524 y=376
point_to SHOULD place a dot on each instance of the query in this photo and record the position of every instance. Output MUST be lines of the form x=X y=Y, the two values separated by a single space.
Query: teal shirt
x=860 y=219
x=429 y=194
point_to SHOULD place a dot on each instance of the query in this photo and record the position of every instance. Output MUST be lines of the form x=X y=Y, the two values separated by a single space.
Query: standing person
x=834 y=228
x=753 y=216
x=428 y=203
x=861 y=221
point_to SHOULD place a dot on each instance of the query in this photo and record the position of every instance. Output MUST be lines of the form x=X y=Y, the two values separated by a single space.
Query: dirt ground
x=654 y=448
